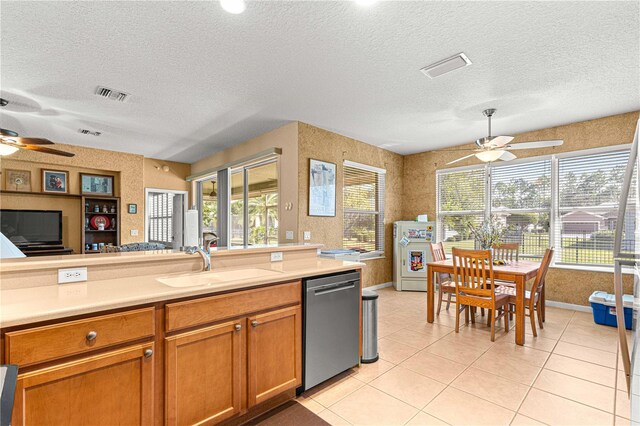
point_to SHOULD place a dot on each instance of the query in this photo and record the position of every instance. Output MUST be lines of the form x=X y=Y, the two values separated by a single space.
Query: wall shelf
x=96 y=236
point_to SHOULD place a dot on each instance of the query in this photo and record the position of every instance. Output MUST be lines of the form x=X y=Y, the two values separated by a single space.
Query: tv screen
x=31 y=227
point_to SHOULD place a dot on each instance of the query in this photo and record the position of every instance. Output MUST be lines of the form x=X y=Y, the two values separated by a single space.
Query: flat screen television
x=32 y=227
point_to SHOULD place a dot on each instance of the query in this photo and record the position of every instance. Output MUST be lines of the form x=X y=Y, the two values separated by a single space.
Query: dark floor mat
x=291 y=413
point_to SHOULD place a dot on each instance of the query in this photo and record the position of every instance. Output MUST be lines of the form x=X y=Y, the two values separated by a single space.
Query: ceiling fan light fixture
x=233 y=6
x=490 y=156
x=7 y=149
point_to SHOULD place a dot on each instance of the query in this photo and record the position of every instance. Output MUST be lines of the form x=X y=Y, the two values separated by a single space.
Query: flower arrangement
x=489 y=234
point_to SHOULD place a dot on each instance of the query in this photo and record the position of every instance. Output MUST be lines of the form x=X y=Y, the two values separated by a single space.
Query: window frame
x=379 y=213
x=554 y=211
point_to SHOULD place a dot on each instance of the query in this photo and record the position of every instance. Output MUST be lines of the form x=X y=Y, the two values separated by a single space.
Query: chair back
x=506 y=251
x=437 y=253
x=542 y=272
x=473 y=272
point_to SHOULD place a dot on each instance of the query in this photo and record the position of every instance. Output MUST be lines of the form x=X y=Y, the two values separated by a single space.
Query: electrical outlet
x=72 y=275
x=307 y=235
x=289 y=235
x=134 y=232
x=276 y=256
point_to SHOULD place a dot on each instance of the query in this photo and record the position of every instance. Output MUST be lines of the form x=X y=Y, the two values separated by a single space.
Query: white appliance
x=626 y=252
x=411 y=253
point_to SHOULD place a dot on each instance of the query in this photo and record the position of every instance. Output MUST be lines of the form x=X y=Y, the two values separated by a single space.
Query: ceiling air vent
x=89 y=132
x=114 y=95
x=446 y=65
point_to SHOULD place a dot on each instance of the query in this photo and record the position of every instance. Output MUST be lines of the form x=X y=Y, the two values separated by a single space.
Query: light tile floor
x=429 y=375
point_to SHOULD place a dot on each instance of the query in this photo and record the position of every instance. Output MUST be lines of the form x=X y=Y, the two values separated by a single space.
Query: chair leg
x=482 y=311
x=448 y=300
x=489 y=313
x=467 y=308
x=506 y=319
x=532 y=316
x=439 y=299
x=473 y=315
x=539 y=312
x=493 y=324
x=457 y=316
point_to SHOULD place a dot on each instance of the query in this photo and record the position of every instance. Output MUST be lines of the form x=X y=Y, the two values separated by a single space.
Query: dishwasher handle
x=333 y=287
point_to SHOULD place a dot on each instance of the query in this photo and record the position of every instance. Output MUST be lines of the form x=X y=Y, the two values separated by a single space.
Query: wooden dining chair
x=443 y=279
x=475 y=287
x=506 y=251
x=533 y=298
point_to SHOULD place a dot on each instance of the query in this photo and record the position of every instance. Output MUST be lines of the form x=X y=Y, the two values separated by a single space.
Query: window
x=164 y=213
x=209 y=205
x=569 y=201
x=363 y=203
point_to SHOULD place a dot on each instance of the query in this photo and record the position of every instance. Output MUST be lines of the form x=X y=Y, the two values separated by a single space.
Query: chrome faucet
x=206 y=260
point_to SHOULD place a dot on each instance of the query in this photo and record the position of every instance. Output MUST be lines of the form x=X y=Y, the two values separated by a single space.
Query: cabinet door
x=275 y=353
x=204 y=374
x=115 y=388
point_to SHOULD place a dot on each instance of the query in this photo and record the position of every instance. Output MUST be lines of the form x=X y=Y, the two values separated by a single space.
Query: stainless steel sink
x=215 y=277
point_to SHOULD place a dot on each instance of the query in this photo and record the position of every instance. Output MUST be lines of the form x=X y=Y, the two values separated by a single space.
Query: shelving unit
x=91 y=236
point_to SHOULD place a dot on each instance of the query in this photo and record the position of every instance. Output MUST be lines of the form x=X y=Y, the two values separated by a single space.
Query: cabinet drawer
x=31 y=346
x=202 y=311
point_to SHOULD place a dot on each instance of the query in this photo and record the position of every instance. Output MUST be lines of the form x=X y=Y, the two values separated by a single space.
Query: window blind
x=160 y=205
x=589 y=188
x=461 y=203
x=363 y=203
x=521 y=200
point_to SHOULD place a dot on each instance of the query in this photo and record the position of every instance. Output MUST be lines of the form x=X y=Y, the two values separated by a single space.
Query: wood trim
x=191 y=313
x=40 y=344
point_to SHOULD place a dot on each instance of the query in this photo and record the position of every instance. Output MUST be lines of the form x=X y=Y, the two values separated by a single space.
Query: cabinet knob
x=92 y=335
x=254 y=323
x=238 y=327
x=148 y=353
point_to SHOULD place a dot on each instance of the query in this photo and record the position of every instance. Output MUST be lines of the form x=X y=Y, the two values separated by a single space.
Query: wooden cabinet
x=109 y=214
x=114 y=388
x=204 y=374
x=275 y=353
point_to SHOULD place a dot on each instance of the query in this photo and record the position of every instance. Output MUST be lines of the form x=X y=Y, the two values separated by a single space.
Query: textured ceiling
x=201 y=79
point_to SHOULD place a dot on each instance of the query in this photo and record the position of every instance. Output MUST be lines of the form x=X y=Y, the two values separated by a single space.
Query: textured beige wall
x=319 y=144
x=570 y=286
x=286 y=138
x=130 y=172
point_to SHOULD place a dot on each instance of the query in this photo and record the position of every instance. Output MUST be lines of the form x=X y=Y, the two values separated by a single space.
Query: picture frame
x=17 y=180
x=132 y=208
x=55 y=181
x=91 y=184
x=322 y=188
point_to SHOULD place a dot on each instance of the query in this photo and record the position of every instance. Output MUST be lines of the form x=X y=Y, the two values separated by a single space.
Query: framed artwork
x=17 y=180
x=55 y=181
x=96 y=184
x=133 y=208
x=322 y=188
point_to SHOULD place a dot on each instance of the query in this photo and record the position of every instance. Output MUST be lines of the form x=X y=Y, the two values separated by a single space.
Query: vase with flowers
x=489 y=233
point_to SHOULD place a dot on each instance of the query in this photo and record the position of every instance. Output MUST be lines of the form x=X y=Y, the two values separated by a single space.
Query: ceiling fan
x=492 y=148
x=11 y=142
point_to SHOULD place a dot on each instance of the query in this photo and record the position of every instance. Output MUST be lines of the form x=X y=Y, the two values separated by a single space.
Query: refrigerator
x=411 y=253
x=626 y=252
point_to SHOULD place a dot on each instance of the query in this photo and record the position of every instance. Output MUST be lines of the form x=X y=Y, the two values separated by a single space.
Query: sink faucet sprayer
x=206 y=260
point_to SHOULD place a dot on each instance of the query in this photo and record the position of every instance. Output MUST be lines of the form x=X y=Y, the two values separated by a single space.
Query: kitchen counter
x=41 y=303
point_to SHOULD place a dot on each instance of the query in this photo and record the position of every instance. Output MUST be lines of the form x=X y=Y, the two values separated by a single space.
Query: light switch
x=307 y=235
x=289 y=235
x=134 y=232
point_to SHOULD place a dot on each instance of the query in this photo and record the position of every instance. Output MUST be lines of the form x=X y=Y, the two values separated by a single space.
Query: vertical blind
x=363 y=202
x=521 y=200
x=160 y=213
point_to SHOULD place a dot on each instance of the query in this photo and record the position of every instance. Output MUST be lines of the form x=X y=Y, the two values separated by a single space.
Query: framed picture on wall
x=56 y=181
x=133 y=208
x=96 y=184
x=322 y=188
x=17 y=180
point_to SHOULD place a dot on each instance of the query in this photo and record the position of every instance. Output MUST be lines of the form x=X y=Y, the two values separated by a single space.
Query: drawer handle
x=238 y=327
x=254 y=323
x=148 y=353
x=92 y=335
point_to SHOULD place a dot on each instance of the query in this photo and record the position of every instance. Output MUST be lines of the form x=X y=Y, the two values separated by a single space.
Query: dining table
x=518 y=272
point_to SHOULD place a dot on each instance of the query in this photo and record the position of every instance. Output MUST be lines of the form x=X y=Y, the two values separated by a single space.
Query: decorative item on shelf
x=55 y=181
x=133 y=208
x=100 y=246
x=322 y=188
x=86 y=206
x=17 y=180
x=113 y=224
x=96 y=208
x=87 y=247
x=490 y=233
x=96 y=184
x=86 y=223
x=105 y=209
x=113 y=209
x=98 y=220
x=94 y=247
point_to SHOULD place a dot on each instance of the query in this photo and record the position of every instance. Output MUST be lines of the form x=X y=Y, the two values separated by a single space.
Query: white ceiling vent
x=89 y=132
x=114 y=95
x=446 y=65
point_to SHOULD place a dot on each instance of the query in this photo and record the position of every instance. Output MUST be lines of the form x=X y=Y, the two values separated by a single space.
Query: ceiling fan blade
x=7 y=132
x=460 y=159
x=46 y=150
x=538 y=144
x=498 y=141
x=507 y=156
x=32 y=141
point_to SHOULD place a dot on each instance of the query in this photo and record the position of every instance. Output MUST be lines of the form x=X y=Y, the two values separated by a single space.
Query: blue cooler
x=603 y=305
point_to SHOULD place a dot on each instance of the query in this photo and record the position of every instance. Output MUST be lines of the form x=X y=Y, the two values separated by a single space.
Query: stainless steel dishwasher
x=331 y=330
